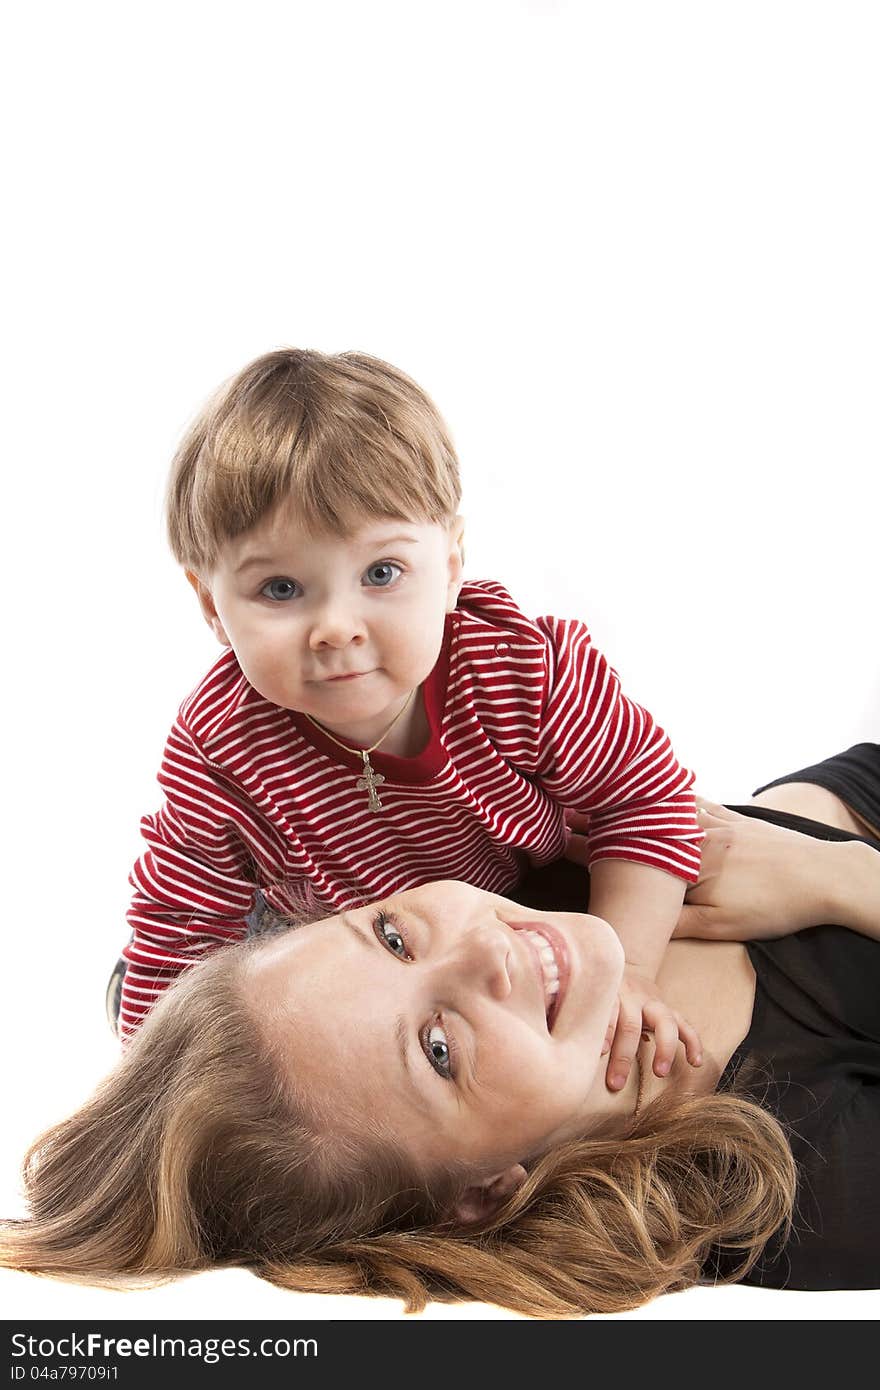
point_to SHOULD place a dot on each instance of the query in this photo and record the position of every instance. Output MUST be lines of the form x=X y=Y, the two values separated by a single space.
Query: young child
x=376 y=722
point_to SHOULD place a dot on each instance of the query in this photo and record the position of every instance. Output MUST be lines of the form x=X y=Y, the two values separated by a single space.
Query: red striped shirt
x=526 y=718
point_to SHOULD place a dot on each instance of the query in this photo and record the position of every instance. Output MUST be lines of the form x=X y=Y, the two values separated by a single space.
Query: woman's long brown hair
x=193 y=1154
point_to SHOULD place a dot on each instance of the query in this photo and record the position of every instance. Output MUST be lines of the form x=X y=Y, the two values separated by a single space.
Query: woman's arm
x=858 y=889
x=762 y=880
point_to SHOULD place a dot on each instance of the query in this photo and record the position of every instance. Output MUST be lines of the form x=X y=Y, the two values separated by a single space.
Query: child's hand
x=576 y=840
x=639 y=1009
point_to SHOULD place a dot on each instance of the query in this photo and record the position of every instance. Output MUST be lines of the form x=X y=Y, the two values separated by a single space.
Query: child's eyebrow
x=255 y=560
x=368 y=543
x=382 y=541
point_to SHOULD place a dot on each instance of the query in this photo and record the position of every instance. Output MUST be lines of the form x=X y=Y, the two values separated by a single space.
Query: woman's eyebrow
x=418 y=1091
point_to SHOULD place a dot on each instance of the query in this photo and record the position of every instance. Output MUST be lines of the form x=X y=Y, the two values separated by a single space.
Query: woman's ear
x=209 y=612
x=483 y=1199
x=456 y=562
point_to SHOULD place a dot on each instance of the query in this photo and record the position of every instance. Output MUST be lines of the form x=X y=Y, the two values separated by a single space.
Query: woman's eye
x=436 y=1045
x=438 y=1050
x=389 y=935
x=279 y=589
x=383 y=574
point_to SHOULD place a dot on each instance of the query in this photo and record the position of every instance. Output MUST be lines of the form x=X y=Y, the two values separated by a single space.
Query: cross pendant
x=369 y=782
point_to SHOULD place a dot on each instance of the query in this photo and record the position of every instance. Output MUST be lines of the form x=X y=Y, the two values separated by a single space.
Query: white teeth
x=549 y=968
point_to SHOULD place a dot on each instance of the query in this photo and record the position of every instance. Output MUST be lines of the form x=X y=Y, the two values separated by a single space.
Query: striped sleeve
x=604 y=755
x=194 y=885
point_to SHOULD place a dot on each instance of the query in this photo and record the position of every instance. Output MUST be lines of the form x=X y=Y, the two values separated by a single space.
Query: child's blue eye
x=279 y=589
x=382 y=574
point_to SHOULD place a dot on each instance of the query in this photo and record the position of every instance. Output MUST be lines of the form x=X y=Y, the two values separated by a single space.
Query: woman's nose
x=483 y=957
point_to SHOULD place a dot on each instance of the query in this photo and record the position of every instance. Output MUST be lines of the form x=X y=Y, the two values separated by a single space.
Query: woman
x=411 y=1101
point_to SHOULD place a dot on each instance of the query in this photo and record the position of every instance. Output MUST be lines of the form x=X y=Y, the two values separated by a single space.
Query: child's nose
x=335 y=625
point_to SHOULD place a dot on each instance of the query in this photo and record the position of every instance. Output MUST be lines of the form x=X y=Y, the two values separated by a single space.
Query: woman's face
x=471 y=1028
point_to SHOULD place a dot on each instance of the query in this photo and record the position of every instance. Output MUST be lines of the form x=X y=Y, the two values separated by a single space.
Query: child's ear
x=209 y=612
x=456 y=562
x=484 y=1198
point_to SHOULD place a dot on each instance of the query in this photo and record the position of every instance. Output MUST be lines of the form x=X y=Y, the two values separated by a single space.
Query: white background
x=630 y=249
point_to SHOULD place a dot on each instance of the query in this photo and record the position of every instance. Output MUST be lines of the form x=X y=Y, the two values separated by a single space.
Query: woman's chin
x=595 y=933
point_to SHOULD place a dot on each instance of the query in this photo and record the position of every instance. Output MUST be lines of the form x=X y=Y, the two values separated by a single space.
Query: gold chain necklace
x=370 y=779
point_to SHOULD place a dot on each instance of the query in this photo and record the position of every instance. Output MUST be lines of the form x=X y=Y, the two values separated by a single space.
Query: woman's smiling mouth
x=551 y=954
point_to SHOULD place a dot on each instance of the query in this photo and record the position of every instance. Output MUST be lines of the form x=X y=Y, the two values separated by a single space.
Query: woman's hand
x=756 y=879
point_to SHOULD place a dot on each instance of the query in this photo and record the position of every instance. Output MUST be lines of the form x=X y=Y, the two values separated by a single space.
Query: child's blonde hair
x=344 y=438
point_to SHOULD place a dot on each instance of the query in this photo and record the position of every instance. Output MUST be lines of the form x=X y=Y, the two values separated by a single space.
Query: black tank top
x=812 y=1057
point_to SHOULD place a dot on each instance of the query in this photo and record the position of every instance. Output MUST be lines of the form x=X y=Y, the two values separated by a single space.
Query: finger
x=623 y=1049
x=707 y=808
x=717 y=836
x=665 y=1029
x=610 y=1030
x=694 y=921
x=577 y=850
x=701 y=921
x=691 y=1039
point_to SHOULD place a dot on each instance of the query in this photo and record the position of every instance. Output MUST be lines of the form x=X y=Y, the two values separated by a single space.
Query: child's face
x=340 y=628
